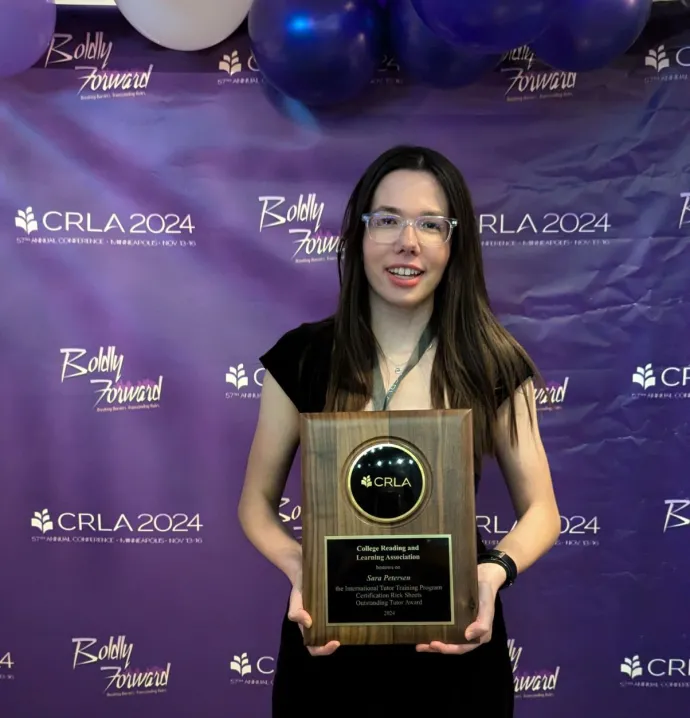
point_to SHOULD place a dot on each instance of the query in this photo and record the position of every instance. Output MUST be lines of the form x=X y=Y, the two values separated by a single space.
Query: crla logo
x=575 y=530
x=530 y=83
x=231 y=63
x=236 y=72
x=26 y=220
x=80 y=526
x=388 y=482
x=644 y=376
x=244 y=386
x=668 y=63
x=237 y=376
x=632 y=667
x=312 y=244
x=662 y=380
x=667 y=672
x=41 y=520
x=575 y=226
x=657 y=58
x=674 y=518
x=57 y=227
x=259 y=672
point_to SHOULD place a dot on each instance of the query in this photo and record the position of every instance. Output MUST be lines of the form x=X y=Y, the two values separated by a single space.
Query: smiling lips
x=404 y=275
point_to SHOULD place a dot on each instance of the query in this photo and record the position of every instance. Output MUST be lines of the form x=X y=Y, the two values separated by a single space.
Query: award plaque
x=388 y=526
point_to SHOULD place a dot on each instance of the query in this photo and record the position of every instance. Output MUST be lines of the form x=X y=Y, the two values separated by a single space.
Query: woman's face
x=403 y=263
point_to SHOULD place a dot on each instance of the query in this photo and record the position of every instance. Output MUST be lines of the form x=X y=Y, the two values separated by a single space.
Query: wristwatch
x=502 y=559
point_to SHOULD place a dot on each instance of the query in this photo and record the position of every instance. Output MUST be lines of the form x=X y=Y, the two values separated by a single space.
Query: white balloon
x=185 y=24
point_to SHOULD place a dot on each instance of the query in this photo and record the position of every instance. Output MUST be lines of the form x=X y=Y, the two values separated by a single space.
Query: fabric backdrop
x=165 y=217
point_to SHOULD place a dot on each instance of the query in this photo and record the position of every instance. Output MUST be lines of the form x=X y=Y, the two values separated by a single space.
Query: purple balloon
x=321 y=52
x=589 y=34
x=26 y=28
x=487 y=26
x=428 y=59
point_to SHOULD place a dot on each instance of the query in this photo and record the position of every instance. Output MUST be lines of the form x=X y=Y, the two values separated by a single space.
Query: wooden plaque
x=388 y=526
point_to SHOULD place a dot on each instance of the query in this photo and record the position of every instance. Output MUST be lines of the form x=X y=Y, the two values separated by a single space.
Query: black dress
x=376 y=681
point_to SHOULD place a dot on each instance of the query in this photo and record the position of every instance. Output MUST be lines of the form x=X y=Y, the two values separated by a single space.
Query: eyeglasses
x=386 y=228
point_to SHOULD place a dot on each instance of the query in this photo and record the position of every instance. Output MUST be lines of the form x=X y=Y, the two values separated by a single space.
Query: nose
x=408 y=241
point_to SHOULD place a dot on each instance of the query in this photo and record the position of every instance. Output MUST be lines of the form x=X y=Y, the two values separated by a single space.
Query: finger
x=326 y=650
x=425 y=648
x=452 y=649
x=299 y=615
x=476 y=631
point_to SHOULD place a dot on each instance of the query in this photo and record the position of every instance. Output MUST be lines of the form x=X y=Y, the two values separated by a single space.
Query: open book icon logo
x=240 y=664
x=237 y=376
x=632 y=667
x=644 y=376
x=26 y=220
x=657 y=58
x=41 y=520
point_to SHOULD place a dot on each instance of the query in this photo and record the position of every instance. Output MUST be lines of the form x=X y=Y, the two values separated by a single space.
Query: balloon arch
x=325 y=52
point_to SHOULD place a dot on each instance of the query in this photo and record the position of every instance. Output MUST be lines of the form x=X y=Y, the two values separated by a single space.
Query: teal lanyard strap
x=382 y=398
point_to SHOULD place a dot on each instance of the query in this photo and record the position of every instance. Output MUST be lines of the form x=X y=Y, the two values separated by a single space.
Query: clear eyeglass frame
x=393 y=236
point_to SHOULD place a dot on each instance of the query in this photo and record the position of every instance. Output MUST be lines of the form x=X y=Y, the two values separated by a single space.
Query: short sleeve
x=283 y=361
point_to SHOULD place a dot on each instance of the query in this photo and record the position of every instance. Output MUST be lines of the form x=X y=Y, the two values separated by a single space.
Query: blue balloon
x=487 y=26
x=26 y=29
x=428 y=59
x=589 y=34
x=320 y=52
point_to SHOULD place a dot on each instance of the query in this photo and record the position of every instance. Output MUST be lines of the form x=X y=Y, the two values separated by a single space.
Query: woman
x=413 y=330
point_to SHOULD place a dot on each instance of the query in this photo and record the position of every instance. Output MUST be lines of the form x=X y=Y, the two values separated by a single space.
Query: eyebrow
x=397 y=210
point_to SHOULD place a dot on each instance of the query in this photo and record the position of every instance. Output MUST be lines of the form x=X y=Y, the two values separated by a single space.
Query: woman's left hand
x=491 y=578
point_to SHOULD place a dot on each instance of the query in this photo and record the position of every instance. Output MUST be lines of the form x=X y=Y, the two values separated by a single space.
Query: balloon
x=26 y=29
x=427 y=58
x=185 y=24
x=487 y=26
x=321 y=52
x=589 y=34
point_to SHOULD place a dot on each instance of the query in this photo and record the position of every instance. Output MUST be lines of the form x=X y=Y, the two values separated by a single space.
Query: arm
x=273 y=449
x=527 y=475
x=526 y=471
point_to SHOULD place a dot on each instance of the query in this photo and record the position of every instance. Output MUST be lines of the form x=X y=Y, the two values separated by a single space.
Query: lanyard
x=381 y=398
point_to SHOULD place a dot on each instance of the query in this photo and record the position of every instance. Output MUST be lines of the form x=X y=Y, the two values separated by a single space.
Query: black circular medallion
x=386 y=482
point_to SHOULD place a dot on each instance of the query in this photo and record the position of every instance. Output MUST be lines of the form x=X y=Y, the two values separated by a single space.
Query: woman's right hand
x=297 y=614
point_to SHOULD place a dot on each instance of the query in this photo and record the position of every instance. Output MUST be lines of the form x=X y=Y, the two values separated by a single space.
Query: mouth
x=405 y=272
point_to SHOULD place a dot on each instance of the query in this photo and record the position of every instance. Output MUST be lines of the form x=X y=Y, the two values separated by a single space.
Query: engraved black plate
x=389 y=580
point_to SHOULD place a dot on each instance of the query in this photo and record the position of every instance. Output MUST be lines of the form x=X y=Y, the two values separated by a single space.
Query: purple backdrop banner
x=164 y=217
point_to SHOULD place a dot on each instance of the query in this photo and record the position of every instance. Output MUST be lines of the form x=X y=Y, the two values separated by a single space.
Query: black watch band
x=502 y=559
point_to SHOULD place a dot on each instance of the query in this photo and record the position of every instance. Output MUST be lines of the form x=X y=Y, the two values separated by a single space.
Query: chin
x=405 y=300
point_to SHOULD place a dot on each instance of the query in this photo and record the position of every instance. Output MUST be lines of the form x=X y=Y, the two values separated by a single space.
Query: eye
x=431 y=225
x=385 y=221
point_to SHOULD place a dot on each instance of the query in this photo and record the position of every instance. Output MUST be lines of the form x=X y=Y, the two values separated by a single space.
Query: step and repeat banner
x=165 y=217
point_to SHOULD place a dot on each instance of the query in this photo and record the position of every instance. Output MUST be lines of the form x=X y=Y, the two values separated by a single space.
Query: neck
x=398 y=329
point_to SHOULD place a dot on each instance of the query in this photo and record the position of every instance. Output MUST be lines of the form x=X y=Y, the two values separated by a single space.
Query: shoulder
x=299 y=357
x=517 y=370
x=296 y=344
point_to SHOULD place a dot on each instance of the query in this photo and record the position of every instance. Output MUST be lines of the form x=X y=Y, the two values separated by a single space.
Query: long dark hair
x=475 y=355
